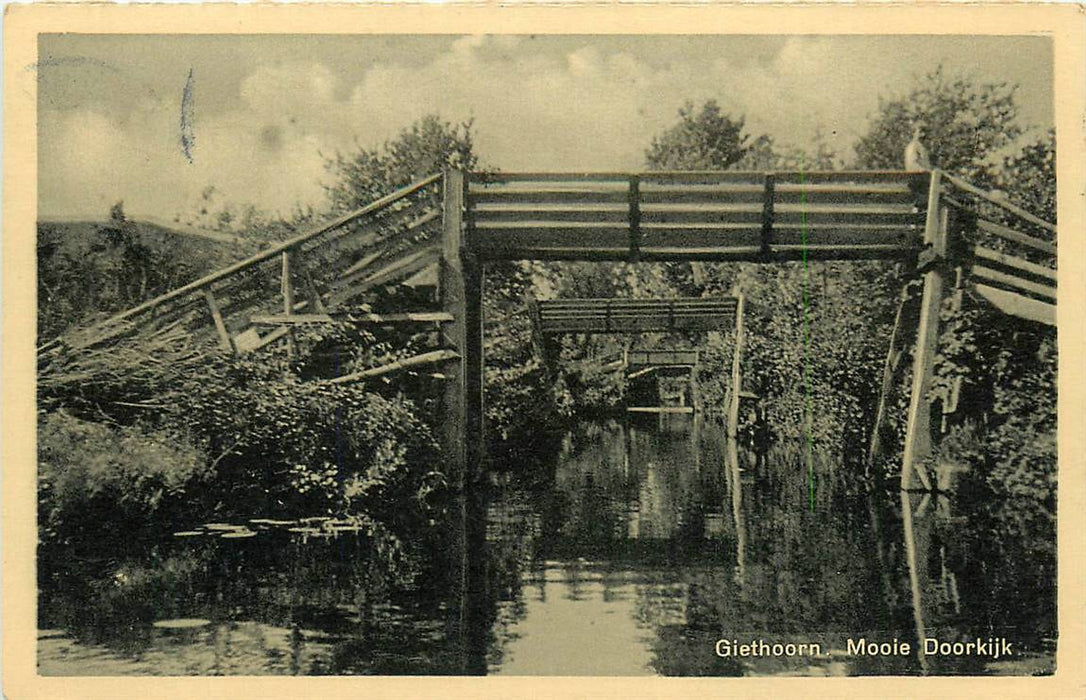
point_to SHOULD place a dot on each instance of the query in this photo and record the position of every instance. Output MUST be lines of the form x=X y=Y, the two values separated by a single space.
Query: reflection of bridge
x=946 y=231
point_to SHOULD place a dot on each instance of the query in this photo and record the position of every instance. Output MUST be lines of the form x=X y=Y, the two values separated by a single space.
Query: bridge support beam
x=918 y=431
x=460 y=289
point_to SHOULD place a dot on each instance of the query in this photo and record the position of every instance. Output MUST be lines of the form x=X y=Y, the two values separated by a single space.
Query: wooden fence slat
x=426 y=358
x=1018 y=305
x=654 y=252
x=303 y=319
x=844 y=236
x=1016 y=236
x=1017 y=283
x=548 y=196
x=1007 y=206
x=1016 y=263
x=588 y=214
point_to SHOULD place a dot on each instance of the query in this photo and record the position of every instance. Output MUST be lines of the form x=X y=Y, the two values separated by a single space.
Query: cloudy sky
x=266 y=108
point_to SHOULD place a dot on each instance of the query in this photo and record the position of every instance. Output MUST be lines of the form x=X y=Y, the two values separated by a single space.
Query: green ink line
x=809 y=409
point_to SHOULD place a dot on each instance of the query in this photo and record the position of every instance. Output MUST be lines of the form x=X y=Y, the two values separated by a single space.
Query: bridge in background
x=633 y=316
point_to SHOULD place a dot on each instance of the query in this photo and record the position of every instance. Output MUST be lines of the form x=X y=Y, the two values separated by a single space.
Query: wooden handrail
x=987 y=196
x=268 y=254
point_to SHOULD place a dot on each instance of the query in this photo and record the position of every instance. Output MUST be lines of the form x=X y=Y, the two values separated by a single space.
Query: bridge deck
x=697 y=215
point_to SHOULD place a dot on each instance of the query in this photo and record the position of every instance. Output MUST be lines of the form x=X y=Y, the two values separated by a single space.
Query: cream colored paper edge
x=1064 y=23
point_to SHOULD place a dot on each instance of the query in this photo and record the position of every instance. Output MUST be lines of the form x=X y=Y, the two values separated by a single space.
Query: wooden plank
x=426 y=358
x=657 y=195
x=747 y=215
x=389 y=257
x=1017 y=264
x=635 y=218
x=890 y=367
x=265 y=341
x=589 y=213
x=660 y=409
x=654 y=252
x=550 y=195
x=276 y=250
x=311 y=290
x=287 y=287
x=619 y=177
x=671 y=176
x=700 y=236
x=1018 y=305
x=317 y=318
x=987 y=196
x=1016 y=283
x=400 y=267
x=854 y=216
x=397 y=222
x=492 y=238
x=603 y=324
x=225 y=342
x=844 y=236
x=1016 y=236
x=918 y=429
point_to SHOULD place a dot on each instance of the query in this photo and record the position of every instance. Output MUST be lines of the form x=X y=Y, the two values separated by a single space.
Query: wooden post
x=317 y=304
x=918 y=430
x=461 y=295
x=225 y=341
x=917 y=538
x=768 y=217
x=634 y=199
x=737 y=353
x=287 y=287
x=905 y=312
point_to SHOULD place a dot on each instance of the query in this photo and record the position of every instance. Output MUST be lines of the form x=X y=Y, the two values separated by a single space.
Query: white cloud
x=534 y=107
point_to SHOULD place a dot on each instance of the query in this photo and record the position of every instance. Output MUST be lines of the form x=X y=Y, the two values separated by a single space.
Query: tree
x=1028 y=175
x=963 y=122
x=704 y=139
x=422 y=149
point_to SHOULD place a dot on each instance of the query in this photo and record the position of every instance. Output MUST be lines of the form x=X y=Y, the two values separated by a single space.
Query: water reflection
x=633 y=550
x=716 y=542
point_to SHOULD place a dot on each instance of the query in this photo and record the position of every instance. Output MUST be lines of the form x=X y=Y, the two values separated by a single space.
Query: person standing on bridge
x=916 y=154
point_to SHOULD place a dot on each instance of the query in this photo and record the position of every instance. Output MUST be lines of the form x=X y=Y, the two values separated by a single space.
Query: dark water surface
x=638 y=547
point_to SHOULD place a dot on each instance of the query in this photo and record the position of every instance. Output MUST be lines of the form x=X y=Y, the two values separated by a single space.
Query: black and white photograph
x=577 y=354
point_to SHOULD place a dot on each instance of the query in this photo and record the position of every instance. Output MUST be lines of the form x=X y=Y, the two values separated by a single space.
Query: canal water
x=645 y=545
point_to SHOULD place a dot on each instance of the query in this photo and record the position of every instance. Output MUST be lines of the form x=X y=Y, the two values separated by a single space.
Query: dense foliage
x=162 y=450
x=87 y=270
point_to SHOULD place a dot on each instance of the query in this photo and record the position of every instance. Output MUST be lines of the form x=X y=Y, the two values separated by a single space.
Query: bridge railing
x=1008 y=253
x=692 y=215
x=585 y=315
x=329 y=265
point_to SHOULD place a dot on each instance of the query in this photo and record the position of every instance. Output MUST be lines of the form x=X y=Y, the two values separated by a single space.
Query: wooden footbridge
x=947 y=231
x=952 y=235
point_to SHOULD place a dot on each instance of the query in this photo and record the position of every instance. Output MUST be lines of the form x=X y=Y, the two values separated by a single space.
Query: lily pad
x=189 y=533
x=182 y=623
x=238 y=535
